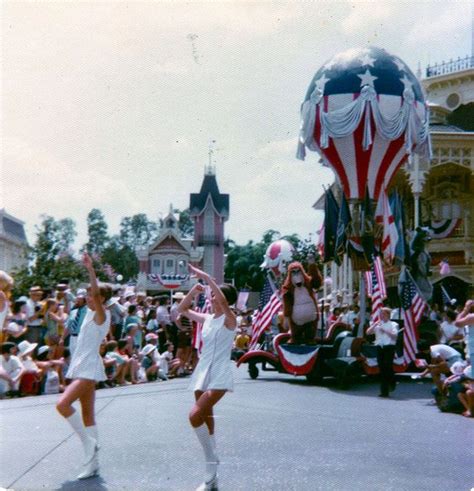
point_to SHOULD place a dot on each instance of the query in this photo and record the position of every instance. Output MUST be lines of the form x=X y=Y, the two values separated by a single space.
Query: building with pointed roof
x=170 y=254
x=13 y=242
x=210 y=210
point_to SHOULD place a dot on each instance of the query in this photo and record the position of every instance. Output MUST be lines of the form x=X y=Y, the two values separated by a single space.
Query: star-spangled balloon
x=364 y=113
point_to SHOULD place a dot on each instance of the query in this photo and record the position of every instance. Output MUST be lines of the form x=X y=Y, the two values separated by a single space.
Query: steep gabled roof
x=209 y=187
x=12 y=226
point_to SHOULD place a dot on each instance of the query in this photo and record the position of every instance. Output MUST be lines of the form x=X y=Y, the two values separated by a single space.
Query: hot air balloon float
x=364 y=113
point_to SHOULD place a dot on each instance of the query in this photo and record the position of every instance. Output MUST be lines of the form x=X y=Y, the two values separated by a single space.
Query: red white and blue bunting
x=443 y=229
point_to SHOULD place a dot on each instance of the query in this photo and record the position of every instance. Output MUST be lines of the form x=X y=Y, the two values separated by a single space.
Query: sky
x=113 y=105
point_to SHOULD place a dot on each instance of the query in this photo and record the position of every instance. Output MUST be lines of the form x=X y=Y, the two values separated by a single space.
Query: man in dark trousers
x=386 y=332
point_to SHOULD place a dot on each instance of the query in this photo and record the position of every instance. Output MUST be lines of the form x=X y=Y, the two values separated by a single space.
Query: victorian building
x=164 y=264
x=439 y=193
x=13 y=243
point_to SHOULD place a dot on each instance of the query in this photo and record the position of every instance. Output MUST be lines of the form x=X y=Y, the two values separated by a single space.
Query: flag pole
x=363 y=307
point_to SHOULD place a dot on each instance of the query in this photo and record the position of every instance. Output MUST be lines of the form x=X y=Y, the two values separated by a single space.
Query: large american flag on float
x=203 y=306
x=376 y=288
x=413 y=306
x=385 y=218
x=340 y=82
x=268 y=306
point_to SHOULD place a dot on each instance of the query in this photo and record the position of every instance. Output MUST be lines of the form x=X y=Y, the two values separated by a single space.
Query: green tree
x=121 y=257
x=50 y=258
x=137 y=230
x=97 y=231
x=185 y=223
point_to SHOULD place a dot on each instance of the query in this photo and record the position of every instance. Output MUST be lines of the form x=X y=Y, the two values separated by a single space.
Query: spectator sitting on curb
x=443 y=358
x=467 y=398
x=122 y=364
x=448 y=398
x=12 y=370
x=123 y=348
x=148 y=364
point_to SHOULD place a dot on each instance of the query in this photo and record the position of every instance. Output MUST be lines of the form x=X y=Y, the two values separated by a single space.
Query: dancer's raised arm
x=221 y=302
x=184 y=307
x=95 y=295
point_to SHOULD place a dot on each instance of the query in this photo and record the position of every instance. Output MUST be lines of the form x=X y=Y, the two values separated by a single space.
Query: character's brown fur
x=312 y=281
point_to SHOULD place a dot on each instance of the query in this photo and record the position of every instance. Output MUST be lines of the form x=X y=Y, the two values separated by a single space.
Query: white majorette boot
x=91 y=463
x=209 y=485
x=212 y=461
x=90 y=469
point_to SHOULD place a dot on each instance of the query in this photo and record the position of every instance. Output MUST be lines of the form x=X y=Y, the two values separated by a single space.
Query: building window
x=182 y=267
x=169 y=266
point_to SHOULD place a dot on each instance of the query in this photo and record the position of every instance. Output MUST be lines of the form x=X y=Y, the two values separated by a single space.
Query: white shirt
x=30 y=312
x=443 y=351
x=174 y=312
x=162 y=315
x=12 y=366
x=381 y=337
x=165 y=358
x=448 y=331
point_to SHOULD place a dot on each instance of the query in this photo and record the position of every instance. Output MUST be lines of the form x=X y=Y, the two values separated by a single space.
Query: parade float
x=365 y=114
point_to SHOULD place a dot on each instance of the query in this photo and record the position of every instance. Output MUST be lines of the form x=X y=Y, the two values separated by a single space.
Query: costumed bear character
x=300 y=304
x=420 y=261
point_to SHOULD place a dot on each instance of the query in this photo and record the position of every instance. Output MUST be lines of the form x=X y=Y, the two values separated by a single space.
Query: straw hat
x=178 y=296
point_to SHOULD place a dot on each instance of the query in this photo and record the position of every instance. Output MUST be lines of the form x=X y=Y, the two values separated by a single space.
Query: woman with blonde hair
x=6 y=284
x=86 y=368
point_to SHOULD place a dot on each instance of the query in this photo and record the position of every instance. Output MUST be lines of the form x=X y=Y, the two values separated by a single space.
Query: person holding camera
x=34 y=316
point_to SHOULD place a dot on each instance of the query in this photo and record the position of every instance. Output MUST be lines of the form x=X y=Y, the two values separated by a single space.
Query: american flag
x=413 y=306
x=384 y=217
x=268 y=306
x=203 y=306
x=376 y=288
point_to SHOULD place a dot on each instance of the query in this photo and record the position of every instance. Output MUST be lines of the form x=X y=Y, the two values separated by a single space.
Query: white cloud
x=365 y=14
x=449 y=20
x=280 y=194
x=36 y=182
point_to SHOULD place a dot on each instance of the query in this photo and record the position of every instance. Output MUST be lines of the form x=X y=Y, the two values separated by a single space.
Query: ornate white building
x=13 y=242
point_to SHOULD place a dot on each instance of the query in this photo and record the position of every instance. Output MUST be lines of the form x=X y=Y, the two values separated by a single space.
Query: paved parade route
x=275 y=433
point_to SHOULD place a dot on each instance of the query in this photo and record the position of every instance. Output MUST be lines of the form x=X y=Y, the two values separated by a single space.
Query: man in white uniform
x=386 y=332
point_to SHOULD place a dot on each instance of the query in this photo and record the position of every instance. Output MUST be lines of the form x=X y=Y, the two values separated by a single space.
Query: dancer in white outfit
x=213 y=374
x=86 y=369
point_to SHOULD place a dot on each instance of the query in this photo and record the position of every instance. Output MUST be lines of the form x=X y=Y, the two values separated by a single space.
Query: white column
x=325 y=275
x=334 y=280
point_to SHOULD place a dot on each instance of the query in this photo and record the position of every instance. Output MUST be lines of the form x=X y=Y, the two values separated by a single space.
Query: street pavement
x=273 y=433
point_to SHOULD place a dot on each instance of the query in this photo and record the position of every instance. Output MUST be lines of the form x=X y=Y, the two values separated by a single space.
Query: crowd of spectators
x=147 y=340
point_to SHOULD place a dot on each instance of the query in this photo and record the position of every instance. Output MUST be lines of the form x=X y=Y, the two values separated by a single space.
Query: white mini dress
x=214 y=369
x=86 y=361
